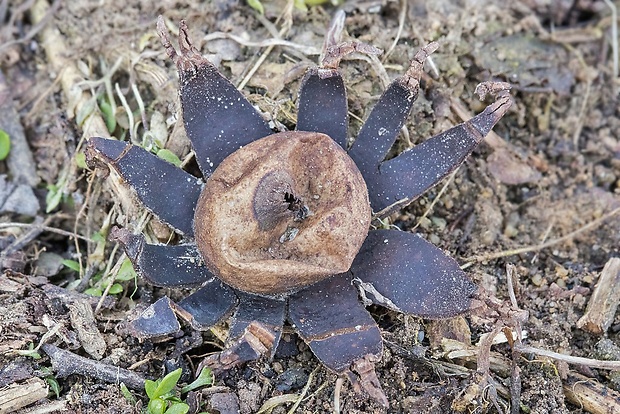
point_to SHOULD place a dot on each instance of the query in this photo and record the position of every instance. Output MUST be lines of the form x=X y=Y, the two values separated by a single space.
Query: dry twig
x=67 y=363
x=604 y=301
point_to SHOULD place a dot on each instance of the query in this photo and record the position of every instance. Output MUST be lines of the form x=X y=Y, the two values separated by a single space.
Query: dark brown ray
x=388 y=116
x=218 y=118
x=163 y=265
x=341 y=333
x=255 y=332
x=166 y=190
x=404 y=272
x=399 y=181
x=322 y=105
x=269 y=312
x=329 y=316
x=209 y=305
x=157 y=320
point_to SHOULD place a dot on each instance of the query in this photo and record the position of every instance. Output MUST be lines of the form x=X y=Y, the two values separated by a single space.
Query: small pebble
x=277 y=367
x=439 y=223
x=224 y=403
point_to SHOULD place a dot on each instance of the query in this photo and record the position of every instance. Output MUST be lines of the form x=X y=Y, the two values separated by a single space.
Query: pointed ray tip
x=499 y=89
x=162 y=32
x=185 y=45
x=131 y=243
x=430 y=48
x=414 y=72
x=104 y=148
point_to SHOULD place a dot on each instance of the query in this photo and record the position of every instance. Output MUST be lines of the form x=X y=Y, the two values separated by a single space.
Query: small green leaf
x=150 y=387
x=178 y=408
x=93 y=291
x=127 y=394
x=157 y=406
x=98 y=237
x=30 y=352
x=5 y=145
x=108 y=115
x=85 y=111
x=256 y=5
x=71 y=264
x=169 y=156
x=126 y=272
x=54 y=386
x=80 y=160
x=115 y=289
x=205 y=378
x=168 y=383
x=300 y=5
x=53 y=198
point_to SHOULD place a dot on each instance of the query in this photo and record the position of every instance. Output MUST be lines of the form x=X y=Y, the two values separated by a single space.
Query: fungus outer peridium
x=281 y=213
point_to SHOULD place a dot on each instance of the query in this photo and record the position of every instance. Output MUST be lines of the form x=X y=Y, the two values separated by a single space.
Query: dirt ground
x=547 y=183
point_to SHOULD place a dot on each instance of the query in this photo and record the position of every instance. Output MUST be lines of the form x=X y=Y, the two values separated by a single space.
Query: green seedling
x=5 y=145
x=204 y=378
x=128 y=395
x=80 y=160
x=167 y=155
x=107 y=112
x=164 y=398
x=125 y=273
x=257 y=5
x=71 y=264
x=31 y=352
x=51 y=380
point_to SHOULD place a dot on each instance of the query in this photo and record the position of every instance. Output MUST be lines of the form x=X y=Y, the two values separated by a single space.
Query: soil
x=552 y=170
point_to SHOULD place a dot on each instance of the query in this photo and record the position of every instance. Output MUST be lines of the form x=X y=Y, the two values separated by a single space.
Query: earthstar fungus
x=278 y=227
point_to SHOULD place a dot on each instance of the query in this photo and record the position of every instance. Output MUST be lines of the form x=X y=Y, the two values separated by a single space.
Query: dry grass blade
x=589 y=362
x=276 y=401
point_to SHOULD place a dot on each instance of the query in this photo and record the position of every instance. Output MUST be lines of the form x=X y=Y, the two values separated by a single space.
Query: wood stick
x=17 y=396
x=604 y=300
x=66 y=363
x=591 y=395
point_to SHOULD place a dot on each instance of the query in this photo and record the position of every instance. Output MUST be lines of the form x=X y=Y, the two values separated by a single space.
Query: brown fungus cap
x=281 y=213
